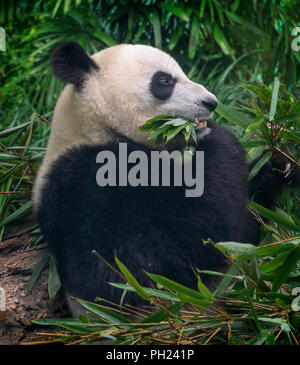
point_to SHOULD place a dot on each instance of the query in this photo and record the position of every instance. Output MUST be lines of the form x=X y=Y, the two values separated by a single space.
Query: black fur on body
x=156 y=229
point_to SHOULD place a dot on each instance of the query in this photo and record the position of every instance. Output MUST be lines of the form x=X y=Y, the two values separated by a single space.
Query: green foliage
x=165 y=128
x=249 y=311
x=209 y=38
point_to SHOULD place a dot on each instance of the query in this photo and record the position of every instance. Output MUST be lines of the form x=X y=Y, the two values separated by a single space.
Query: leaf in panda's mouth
x=165 y=128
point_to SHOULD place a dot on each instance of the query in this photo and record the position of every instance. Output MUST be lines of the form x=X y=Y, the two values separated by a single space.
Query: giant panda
x=156 y=229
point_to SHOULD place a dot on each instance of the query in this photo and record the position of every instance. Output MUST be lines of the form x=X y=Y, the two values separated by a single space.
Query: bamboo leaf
x=194 y=38
x=162 y=315
x=54 y=283
x=178 y=288
x=222 y=41
x=132 y=281
x=175 y=10
x=237 y=248
x=275 y=217
x=105 y=313
x=152 y=292
x=36 y=273
x=275 y=263
x=274 y=99
x=286 y=268
x=234 y=116
x=259 y=164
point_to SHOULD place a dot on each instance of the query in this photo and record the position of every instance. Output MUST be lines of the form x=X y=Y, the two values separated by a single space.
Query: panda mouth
x=199 y=120
x=202 y=123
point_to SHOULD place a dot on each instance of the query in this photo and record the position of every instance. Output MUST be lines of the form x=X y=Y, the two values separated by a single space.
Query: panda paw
x=281 y=170
x=285 y=168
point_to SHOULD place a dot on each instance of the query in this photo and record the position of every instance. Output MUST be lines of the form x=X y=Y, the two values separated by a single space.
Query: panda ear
x=71 y=64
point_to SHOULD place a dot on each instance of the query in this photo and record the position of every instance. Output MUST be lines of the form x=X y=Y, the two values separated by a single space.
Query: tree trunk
x=17 y=262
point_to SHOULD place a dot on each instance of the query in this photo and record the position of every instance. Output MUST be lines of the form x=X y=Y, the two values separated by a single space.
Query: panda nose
x=210 y=104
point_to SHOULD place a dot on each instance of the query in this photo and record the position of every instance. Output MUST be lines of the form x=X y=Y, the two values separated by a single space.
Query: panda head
x=119 y=89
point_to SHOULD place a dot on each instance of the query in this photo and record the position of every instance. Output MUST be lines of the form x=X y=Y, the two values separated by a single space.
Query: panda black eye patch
x=162 y=85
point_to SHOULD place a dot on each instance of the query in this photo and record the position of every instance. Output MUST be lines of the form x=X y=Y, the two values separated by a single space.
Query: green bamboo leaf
x=234 y=116
x=67 y=4
x=205 y=303
x=5 y=187
x=286 y=268
x=155 y=122
x=9 y=157
x=132 y=281
x=229 y=69
x=175 y=10
x=280 y=321
x=36 y=273
x=155 y=21
x=274 y=99
x=253 y=143
x=20 y=212
x=266 y=133
x=159 y=131
x=104 y=38
x=275 y=217
x=74 y=325
x=65 y=322
x=140 y=31
x=237 y=248
x=54 y=283
x=176 y=122
x=211 y=9
x=246 y=24
x=259 y=339
x=176 y=37
x=105 y=313
x=57 y=5
x=262 y=91
x=259 y=164
x=174 y=131
x=176 y=287
x=222 y=41
x=202 y=7
x=217 y=273
x=152 y=292
x=131 y=21
x=291 y=118
x=204 y=290
x=279 y=248
x=291 y=136
x=275 y=263
x=194 y=37
x=188 y=132
x=10 y=131
x=83 y=318
x=220 y=12
x=162 y=315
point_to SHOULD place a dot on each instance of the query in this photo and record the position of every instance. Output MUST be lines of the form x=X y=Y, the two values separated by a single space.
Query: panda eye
x=164 y=80
x=162 y=85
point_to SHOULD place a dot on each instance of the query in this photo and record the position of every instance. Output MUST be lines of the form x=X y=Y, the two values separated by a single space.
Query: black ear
x=71 y=64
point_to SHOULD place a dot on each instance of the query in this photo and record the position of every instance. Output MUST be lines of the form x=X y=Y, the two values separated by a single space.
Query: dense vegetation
x=241 y=51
